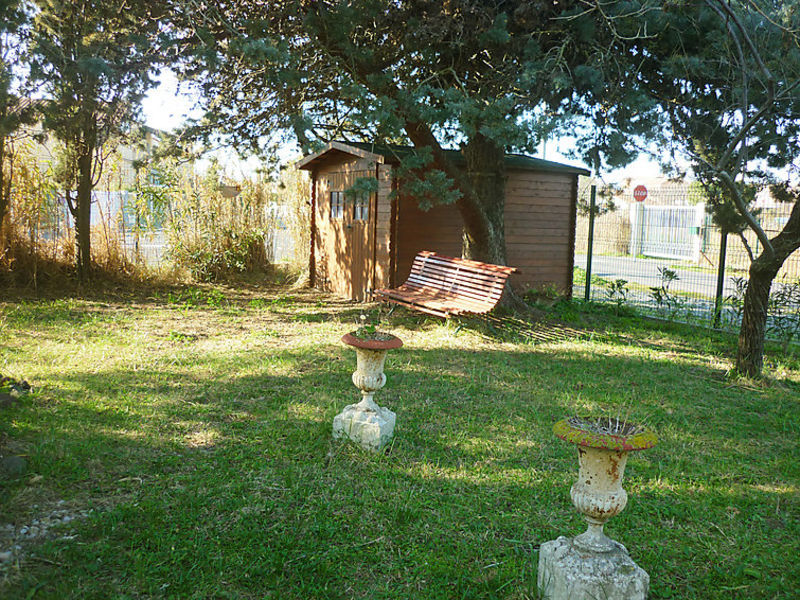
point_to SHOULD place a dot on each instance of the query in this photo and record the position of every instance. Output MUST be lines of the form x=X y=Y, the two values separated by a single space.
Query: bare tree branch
x=746 y=245
x=721 y=168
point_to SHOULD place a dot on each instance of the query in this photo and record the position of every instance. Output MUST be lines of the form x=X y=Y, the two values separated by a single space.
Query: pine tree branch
x=746 y=245
x=721 y=167
x=736 y=196
x=71 y=204
x=766 y=105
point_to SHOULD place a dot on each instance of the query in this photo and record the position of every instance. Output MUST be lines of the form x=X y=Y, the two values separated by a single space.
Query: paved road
x=644 y=271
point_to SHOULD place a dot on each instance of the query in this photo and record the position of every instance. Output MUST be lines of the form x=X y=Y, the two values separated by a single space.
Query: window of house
x=337 y=205
x=361 y=208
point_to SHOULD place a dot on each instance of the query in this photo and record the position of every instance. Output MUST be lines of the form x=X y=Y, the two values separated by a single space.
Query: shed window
x=337 y=205
x=361 y=208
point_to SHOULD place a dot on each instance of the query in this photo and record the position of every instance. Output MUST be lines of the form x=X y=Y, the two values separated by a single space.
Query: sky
x=170 y=104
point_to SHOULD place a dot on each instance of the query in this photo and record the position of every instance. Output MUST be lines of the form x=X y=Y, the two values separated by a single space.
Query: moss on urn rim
x=605 y=433
x=377 y=340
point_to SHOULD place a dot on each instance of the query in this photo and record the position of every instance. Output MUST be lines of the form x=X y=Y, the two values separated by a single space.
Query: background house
x=367 y=241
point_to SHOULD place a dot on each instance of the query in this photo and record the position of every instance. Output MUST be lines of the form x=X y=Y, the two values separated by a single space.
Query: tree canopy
x=486 y=77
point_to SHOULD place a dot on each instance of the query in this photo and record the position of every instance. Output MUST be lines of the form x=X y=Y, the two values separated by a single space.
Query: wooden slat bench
x=445 y=286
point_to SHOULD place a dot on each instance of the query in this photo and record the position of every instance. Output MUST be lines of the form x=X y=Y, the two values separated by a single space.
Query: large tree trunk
x=482 y=187
x=83 y=215
x=750 y=352
x=763 y=270
x=483 y=213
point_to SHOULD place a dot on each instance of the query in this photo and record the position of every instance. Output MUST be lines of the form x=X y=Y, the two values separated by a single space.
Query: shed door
x=352 y=227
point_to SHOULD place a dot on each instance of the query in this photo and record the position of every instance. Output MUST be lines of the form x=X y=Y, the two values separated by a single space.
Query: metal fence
x=666 y=257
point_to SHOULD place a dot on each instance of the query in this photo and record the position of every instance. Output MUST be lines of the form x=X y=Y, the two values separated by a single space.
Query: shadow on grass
x=224 y=471
x=473 y=410
x=109 y=295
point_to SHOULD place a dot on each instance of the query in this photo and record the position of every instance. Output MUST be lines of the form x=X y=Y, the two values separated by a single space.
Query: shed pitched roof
x=390 y=153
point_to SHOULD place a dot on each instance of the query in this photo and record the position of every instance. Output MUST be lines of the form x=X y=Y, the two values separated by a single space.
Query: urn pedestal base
x=568 y=573
x=371 y=428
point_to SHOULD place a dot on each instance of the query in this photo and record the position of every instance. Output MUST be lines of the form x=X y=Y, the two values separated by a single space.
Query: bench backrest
x=466 y=278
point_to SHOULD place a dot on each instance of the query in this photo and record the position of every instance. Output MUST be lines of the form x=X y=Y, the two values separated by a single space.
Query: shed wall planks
x=438 y=229
x=538 y=222
x=383 y=227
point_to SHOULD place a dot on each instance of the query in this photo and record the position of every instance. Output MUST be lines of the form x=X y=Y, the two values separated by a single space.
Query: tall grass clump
x=34 y=241
x=149 y=212
x=37 y=239
x=215 y=228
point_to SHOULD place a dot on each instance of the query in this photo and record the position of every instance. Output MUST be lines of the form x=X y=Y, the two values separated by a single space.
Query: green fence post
x=723 y=248
x=588 y=292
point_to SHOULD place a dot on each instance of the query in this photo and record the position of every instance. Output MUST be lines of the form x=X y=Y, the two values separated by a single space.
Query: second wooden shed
x=366 y=241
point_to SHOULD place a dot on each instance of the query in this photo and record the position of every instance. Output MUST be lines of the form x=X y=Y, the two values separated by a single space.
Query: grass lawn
x=187 y=436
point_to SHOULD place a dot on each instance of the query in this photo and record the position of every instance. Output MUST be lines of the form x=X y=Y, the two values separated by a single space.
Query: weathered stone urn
x=592 y=565
x=369 y=425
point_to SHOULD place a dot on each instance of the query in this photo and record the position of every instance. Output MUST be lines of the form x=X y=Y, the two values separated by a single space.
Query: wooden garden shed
x=367 y=241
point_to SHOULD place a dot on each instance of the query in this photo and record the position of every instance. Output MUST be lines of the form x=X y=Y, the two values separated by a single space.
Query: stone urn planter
x=592 y=565
x=369 y=425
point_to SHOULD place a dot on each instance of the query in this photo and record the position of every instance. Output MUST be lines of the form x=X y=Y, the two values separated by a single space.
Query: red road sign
x=639 y=193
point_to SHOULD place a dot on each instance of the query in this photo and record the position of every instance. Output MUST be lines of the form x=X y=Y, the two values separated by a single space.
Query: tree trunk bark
x=482 y=187
x=83 y=216
x=763 y=270
x=482 y=205
x=5 y=189
x=483 y=213
x=750 y=351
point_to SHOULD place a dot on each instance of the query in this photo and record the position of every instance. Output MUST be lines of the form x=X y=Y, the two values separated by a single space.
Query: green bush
x=217 y=256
